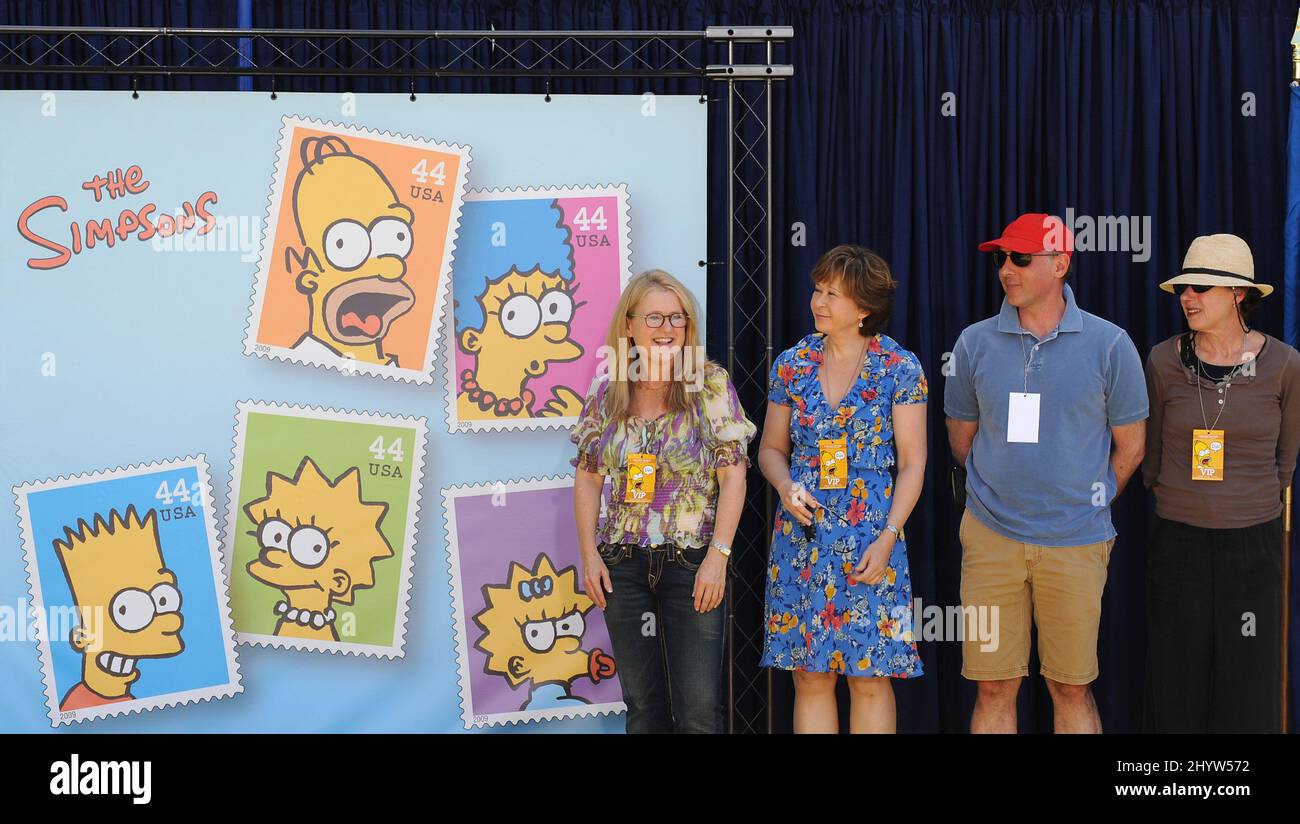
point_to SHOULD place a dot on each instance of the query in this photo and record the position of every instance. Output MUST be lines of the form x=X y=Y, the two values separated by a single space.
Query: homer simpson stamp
x=537 y=275
x=320 y=527
x=530 y=644
x=356 y=255
x=129 y=594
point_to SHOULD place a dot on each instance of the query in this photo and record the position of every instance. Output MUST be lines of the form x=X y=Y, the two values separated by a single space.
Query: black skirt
x=1214 y=628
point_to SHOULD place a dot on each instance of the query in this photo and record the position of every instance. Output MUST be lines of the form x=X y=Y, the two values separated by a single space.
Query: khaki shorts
x=1057 y=587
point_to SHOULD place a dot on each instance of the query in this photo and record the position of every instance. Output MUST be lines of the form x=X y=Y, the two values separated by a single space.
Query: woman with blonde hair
x=665 y=425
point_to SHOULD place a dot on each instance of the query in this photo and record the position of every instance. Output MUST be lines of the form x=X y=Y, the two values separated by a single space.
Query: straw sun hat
x=1217 y=260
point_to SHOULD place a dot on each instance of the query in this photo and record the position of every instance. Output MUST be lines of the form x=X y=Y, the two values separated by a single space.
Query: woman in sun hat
x=1221 y=447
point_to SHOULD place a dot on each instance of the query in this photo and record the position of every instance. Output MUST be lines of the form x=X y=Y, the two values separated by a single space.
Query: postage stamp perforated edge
x=234 y=683
x=269 y=226
x=619 y=190
x=460 y=619
x=420 y=426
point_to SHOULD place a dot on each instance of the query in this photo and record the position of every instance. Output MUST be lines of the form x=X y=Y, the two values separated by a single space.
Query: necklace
x=305 y=617
x=1227 y=384
x=485 y=400
x=862 y=356
x=1237 y=360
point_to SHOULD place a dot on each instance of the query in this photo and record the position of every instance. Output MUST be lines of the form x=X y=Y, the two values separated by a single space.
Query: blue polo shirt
x=1089 y=377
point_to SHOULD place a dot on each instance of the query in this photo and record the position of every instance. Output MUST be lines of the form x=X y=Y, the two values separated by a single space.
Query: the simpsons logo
x=318 y=543
x=532 y=633
x=117 y=564
x=355 y=237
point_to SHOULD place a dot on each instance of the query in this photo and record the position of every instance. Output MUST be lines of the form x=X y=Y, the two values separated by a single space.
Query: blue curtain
x=1172 y=110
x=920 y=128
x=1291 y=320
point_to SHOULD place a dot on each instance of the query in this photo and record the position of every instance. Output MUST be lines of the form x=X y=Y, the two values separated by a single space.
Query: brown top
x=1261 y=433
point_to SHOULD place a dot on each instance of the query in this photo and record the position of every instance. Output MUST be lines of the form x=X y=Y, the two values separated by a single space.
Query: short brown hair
x=1248 y=302
x=866 y=279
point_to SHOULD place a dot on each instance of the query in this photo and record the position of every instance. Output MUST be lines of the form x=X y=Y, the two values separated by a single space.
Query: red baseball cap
x=1033 y=232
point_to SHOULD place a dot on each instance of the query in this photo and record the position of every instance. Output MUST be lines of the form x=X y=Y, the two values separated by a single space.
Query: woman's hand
x=710 y=581
x=799 y=502
x=595 y=576
x=871 y=569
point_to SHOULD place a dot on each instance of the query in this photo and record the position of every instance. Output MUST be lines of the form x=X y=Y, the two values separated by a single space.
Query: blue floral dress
x=816 y=620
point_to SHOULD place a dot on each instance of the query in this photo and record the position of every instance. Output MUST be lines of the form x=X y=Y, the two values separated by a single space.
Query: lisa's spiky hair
x=311 y=497
x=98 y=555
x=507 y=610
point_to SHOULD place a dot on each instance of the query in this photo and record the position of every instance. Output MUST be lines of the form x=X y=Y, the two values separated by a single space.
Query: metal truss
x=749 y=359
x=737 y=57
x=355 y=53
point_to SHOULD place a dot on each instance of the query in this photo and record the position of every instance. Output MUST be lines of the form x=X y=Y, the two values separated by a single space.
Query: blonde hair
x=622 y=351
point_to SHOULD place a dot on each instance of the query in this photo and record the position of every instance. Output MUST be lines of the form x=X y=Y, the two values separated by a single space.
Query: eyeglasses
x=656 y=319
x=1021 y=259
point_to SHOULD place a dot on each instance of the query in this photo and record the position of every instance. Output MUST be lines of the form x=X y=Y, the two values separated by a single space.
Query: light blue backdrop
x=146 y=345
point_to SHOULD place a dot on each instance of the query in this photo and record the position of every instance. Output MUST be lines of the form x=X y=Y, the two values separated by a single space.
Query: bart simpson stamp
x=536 y=278
x=530 y=644
x=356 y=255
x=320 y=527
x=130 y=597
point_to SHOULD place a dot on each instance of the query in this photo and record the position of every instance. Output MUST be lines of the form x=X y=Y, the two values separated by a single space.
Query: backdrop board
x=181 y=268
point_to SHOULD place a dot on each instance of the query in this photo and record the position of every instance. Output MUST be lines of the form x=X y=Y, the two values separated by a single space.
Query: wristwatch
x=725 y=549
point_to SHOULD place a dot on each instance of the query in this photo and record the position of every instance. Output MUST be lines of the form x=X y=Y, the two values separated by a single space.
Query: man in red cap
x=1046 y=408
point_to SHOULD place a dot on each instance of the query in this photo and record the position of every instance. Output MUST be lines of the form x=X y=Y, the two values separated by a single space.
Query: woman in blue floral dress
x=845 y=406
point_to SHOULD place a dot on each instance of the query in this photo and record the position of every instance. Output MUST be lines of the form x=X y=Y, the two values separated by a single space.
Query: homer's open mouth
x=360 y=311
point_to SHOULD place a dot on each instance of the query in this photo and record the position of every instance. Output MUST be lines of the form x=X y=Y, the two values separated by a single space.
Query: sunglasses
x=1021 y=259
x=1198 y=288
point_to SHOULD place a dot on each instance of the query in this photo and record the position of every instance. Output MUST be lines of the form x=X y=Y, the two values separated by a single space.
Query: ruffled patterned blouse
x=689 y=446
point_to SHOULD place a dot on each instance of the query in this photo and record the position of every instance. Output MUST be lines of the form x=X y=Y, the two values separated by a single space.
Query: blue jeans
x=669 y=656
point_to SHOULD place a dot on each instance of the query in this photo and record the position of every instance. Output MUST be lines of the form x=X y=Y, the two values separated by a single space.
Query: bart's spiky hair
x=79 y=543
x=311 y=497
x=507 y=611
